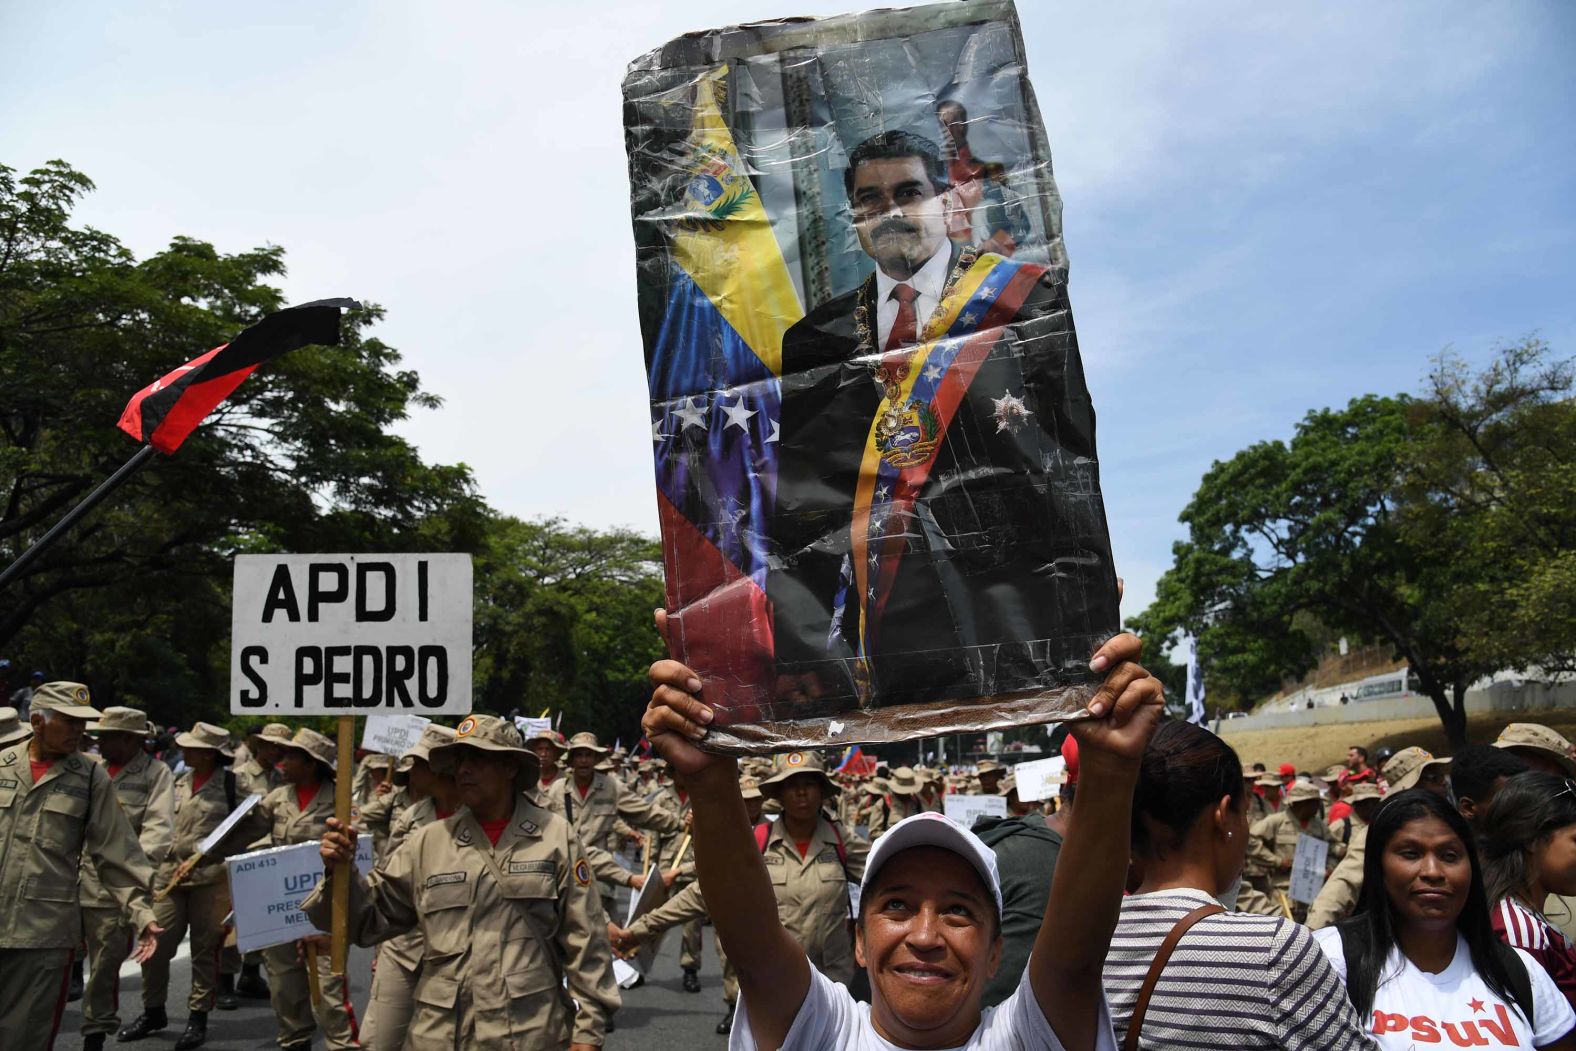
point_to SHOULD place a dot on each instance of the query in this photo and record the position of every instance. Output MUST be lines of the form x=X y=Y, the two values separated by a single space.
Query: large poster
x=874 y=447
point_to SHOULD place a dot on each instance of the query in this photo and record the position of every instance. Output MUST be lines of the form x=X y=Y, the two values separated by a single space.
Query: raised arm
x=773 y=972
x=1086 y=894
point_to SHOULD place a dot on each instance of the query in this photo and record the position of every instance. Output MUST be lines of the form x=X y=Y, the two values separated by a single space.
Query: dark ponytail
x=1185 y=771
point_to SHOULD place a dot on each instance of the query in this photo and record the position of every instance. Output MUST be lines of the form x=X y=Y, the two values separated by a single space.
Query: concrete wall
x=1530 y=697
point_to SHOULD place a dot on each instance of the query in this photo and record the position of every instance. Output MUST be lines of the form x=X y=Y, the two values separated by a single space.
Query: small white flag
x=1195 y=684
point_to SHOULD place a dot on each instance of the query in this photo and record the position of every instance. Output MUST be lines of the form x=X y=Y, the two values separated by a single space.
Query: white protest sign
x=1040 y=778
x=392 y=734
x=531 y=726
x=217 y=835
x=1307 y=868
x=653 y=892
x=966 y=810
x=351 y=635
x=268 y=886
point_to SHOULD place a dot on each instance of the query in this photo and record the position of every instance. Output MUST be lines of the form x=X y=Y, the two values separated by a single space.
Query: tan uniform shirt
x=668 y=799
x=890 y=809
x=145 y=789
x=812 y=892
x=197 y=814
x=288 y=823
x=45 y=828
x=253 y=777
x=594 y=816
x=378 y=815
x=525 y=928
x=406 y=949
x=1338 y=897
x=1275 y=839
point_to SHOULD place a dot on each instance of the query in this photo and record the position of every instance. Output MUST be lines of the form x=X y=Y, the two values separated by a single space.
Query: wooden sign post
x=339 y=943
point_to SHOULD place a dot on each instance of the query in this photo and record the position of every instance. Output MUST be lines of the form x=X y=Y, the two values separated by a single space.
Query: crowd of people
x=1150 y=904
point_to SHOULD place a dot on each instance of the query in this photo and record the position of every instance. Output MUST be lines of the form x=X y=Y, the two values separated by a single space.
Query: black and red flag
x=164 y=413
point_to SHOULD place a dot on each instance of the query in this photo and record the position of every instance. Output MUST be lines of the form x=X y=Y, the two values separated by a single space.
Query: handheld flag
x=1195 y=684
x=165 y=413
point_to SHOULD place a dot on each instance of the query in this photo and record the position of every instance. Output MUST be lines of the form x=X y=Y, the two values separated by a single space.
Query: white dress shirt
x=928 y=281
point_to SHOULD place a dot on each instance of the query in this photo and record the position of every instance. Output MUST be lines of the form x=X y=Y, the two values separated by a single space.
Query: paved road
x=659 y=1016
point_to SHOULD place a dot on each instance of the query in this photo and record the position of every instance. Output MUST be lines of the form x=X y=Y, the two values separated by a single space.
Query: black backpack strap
x=1520 y=980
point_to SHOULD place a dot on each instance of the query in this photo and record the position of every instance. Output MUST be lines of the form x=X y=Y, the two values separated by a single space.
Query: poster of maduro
x=874 y=447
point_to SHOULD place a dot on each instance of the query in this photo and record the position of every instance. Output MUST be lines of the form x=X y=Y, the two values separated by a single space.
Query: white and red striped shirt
x=1527 y=929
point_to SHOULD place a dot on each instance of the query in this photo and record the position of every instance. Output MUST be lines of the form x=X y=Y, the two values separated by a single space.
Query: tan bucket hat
x=274 y=733
x=905 y=782
x=121 y=720
x=1268 y=780
x=552 y=737
x=432 y=736
x=1532 y=736
x=985 y=766
x=489 y=733
x=12 y=728
x=1302 y=792
x=67 y=698
x=749 y=787
x=587 y=740
x=206 y=735
x=791 y=764
x=1363 y=790
x=1405 y=768
x=317 y=746
x=1008 y=786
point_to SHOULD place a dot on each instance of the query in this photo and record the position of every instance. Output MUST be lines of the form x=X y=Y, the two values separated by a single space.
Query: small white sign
x=1307 y=868
x=351 y=635
x=966 y=810
x=268 y=886
x=653 y=892
x=530 y=726
x=392 y=734
x=1040 y=778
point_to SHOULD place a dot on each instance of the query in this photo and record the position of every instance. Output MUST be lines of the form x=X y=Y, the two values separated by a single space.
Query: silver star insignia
x=1011 y=413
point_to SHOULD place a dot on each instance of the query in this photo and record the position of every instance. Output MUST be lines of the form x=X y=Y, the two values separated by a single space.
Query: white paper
x=625 y=975
x=1039 y=779
x=966 y=810
x=1307 y=868
x=351 y=635
x=268 y=886
x=392 y=734
x=530 y=726
x=652 y=894
x=217 y=835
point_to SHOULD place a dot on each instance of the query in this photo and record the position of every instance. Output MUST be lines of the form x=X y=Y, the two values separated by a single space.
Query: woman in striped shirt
x=1234 y=980
x=1528 y=843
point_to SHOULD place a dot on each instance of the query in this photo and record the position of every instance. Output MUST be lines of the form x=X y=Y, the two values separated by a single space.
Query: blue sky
x=1268 y=207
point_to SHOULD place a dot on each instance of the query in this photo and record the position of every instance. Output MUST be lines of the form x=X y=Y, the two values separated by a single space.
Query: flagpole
x=60 y=528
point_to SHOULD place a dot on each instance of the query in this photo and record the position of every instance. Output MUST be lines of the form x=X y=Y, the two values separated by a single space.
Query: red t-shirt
x=494 y=829
x=443 y=815
x=40 y=767
x=1339 y=811
x=306 y=793
x=1519 y=926
x=804 y=848
x=114 y=768
x=586 y=790
x=198 y=780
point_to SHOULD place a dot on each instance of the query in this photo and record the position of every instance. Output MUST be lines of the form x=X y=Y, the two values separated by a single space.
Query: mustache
x=893 y=226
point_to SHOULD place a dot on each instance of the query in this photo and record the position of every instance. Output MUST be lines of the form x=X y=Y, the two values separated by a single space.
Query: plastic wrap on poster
x=874 y=447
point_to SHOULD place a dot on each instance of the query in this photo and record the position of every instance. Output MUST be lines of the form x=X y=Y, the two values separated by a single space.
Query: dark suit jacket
x=1007 y=570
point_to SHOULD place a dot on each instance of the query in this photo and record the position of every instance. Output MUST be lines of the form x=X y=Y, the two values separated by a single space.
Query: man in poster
x=938 y=525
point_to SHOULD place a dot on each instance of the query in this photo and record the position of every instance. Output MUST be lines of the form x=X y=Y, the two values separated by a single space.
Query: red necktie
x=903 y=332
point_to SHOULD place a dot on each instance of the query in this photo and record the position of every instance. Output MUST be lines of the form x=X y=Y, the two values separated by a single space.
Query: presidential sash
x=911 y=423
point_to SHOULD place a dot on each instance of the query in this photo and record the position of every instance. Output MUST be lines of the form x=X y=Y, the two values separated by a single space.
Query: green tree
x=301 y=458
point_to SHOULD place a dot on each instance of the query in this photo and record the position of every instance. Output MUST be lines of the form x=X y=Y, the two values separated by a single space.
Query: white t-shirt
x=830 y=1018
x=1455 y=1007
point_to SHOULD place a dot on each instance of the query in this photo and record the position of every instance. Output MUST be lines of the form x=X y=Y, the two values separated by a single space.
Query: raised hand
x=676 y=718
x=1125 y=709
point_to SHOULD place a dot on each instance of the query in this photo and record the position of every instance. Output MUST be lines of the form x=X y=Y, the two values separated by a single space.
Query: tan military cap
x=487 y=733
x=121 y=720
x=67 y=698
x=790 y=764
x=275 y=733
x=317 y=746
x=749 y=787
x=1301 y=792
x=552 y=737
x=1335 y=772
x=1268 y=780
x=605 y=767
x=432 y=736
x=905 y=782
x=12 y=728
x=1363 y=790
x=587 y=740
x=1532 y=736
x=206 y=735
x=1406 y=767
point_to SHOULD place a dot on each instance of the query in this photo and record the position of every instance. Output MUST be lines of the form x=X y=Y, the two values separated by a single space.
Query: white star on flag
x=933 y=372
x=692 y=415
x=772 y=437
x=656 y=431
x=738 y=415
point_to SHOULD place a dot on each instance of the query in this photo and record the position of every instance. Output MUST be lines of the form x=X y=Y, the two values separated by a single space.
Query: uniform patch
x=827 y=855
x=440 y=878
x=82 y=695
x=519 y=868
x=71 y=790
x=529 y=828
x=773 y=859
x=463 y=836
x=794 y=759
x=582 y=873
x=8 y=782
x=9 y=760
x=466 y=728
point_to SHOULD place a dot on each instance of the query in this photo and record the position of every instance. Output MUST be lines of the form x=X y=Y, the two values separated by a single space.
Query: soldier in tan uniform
x=549 y=747
x=899 y=800
x=12 y=729
x=437 y=797
x=257 y=772
x=502 y=895
x=298 y=812
x=1272 y=844
x=1338 y=897
x=593 y=803
x=204 y=797
x=145 y=789
x=56 y=806
x=374 y=769
x=679 y=873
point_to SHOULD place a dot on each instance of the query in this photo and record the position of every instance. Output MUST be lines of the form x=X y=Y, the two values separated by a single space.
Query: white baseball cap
x=930 y=829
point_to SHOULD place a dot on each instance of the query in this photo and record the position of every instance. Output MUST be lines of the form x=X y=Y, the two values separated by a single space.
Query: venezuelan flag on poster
x=714 y=374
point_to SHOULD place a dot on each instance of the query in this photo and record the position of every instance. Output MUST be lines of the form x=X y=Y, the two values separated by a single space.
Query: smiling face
x=929 y=937
x=1427 y=874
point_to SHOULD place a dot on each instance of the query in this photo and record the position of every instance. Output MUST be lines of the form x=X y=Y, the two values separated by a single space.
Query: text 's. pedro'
x=351 y=635
x=873 y=443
